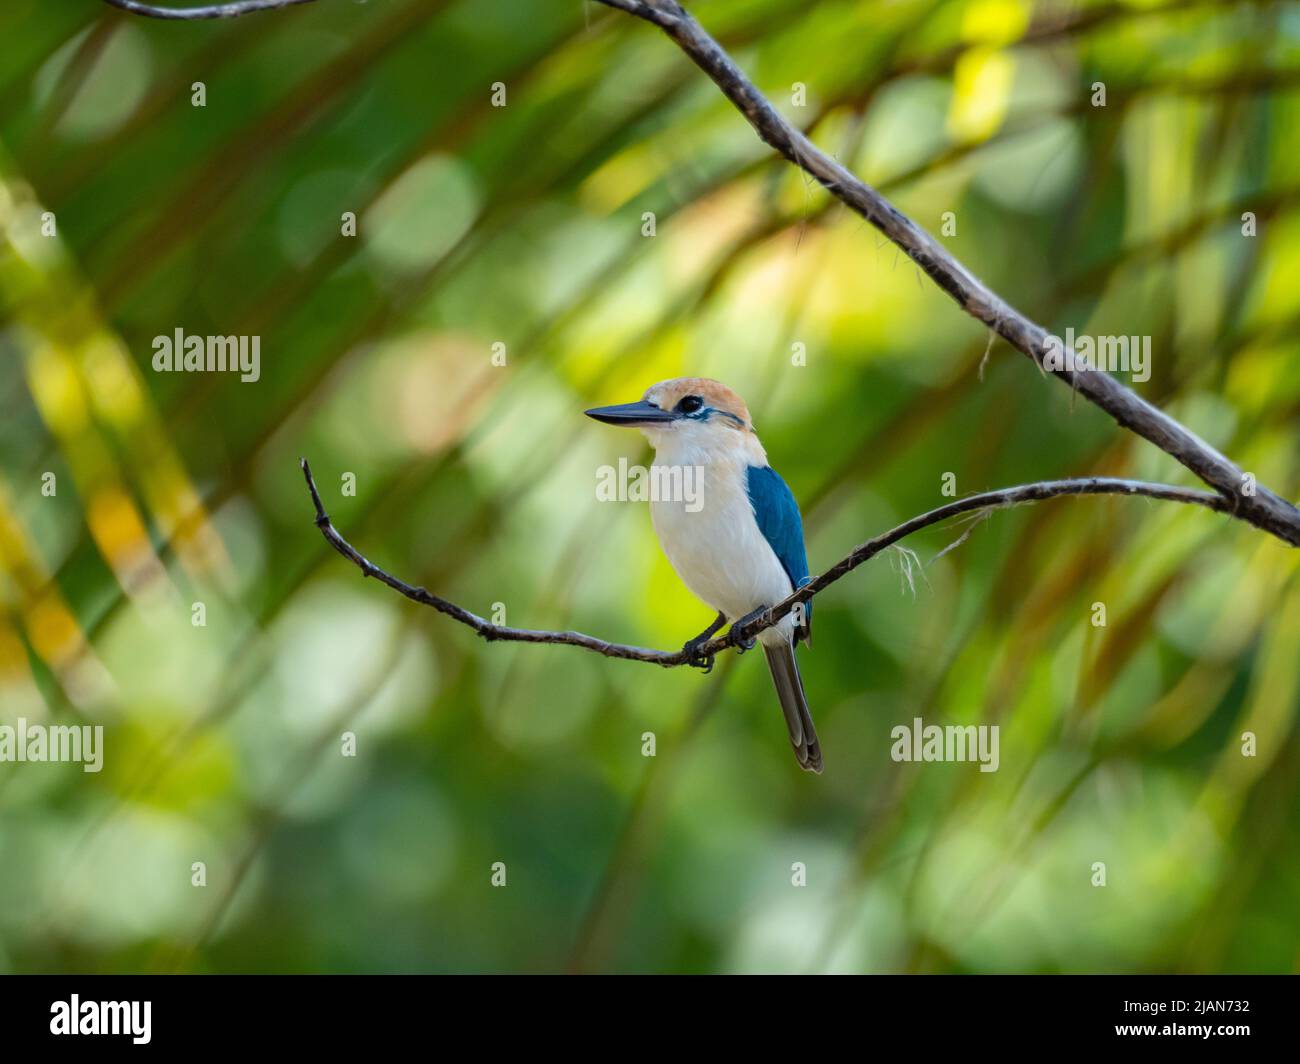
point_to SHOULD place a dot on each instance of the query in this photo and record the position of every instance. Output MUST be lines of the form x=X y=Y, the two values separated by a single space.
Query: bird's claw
x=733 y=633
x=741 y=645
x=696 y=659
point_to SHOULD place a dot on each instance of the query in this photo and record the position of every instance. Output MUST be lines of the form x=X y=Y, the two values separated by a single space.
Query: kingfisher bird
x=740 y=547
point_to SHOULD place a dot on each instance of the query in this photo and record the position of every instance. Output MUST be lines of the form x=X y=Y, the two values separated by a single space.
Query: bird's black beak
x=631 y=414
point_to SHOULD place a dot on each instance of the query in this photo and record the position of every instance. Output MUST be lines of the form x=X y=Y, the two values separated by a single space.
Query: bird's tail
x=789 y=686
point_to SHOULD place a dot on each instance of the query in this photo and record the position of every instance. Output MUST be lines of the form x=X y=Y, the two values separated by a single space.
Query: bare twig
x=233 y=9
x=988 y=500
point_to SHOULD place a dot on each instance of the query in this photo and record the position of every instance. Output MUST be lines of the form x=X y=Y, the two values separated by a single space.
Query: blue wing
x=778 y=519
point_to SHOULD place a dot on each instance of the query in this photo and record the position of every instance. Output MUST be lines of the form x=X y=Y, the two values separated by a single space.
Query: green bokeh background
x=522 y=225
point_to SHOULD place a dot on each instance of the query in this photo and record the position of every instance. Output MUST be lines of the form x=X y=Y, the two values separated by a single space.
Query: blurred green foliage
x=522 y=225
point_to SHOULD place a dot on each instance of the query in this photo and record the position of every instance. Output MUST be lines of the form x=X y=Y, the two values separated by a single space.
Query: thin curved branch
x=233 y=9
x=984 y=501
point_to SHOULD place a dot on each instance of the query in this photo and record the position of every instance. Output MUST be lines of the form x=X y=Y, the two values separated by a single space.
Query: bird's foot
x=691 y=648
x=733 y=633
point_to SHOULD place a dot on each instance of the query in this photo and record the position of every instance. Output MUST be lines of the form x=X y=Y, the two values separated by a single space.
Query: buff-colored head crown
x=667 y=395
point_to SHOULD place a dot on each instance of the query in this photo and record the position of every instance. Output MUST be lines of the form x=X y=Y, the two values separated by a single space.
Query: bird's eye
x=690 y=404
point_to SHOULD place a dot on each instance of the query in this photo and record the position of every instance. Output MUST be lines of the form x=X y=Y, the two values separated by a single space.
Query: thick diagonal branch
x=988 y=500
x=1258 y=505
x=1251 y=502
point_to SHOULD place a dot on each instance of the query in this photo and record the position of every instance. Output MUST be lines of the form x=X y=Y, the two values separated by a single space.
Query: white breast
x=719 y=551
